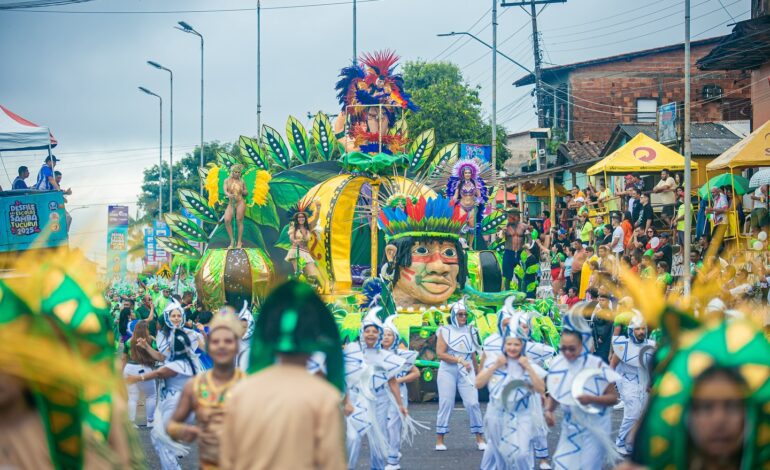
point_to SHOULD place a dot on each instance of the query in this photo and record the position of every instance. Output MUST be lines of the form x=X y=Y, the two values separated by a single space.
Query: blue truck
x=32 y=219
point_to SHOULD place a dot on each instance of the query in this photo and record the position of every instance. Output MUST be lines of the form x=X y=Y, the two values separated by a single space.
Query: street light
x=160 y=153
x=189 y=29
x=170 y=136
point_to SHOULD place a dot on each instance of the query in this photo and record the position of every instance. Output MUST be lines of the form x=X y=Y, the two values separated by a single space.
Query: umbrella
x=760 y=178
x=725 y=179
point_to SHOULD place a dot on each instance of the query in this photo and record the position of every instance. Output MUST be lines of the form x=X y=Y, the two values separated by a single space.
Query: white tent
x=16 y=133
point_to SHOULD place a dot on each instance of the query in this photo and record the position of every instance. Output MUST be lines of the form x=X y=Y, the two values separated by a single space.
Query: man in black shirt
x=664 y=250
x=644 y=220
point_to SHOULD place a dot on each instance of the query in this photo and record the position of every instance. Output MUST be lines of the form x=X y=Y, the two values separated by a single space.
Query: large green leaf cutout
x=197 y=205
x=186 y=228
x=276 y=147
x=288 y=188
x=443 y=157
x=421 y=149
x=283 y=239
x=253 y=153
x=298 y=141
x=177 y=246
x=400 y=127
x=226 y=160
x=323 y=136
x=266 y=215
x=490 y=223
x=203 y=171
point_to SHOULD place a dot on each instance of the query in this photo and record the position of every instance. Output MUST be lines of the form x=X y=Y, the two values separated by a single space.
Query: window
x=646 y=110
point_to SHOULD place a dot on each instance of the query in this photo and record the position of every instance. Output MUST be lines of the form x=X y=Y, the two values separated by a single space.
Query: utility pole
x=259 y=70
x=355 y=52
x=494 y=86
x=687 y=155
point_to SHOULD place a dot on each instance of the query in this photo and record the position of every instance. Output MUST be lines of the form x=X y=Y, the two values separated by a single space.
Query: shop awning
x=753 y=150
x=642 y=154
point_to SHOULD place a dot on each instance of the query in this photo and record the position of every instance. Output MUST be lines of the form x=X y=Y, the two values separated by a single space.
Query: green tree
x=449 y=105
x=185 y=177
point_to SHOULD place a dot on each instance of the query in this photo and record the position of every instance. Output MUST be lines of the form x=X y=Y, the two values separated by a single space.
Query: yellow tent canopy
x=640 y=154
x=541 y=190
x=753 y=150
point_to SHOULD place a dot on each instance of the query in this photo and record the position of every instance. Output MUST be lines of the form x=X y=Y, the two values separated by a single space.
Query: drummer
x=584 y=440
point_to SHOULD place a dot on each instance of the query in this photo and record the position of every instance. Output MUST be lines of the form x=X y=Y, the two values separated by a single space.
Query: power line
x=459 y=38
x=163 y=12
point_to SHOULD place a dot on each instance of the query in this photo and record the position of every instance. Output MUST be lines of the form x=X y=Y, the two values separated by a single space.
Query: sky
x=76 y=69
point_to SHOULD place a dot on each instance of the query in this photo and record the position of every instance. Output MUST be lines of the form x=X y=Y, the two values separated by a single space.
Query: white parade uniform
x=632 y=383
x=461 y=343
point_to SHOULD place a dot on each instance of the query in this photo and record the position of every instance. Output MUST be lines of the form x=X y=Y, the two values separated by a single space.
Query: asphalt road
x=461 y=453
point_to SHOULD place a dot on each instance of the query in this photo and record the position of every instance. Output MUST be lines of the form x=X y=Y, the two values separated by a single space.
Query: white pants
x=147 y=387
x=449 y=380
x=353 y=444
x=634 y=399
x=578 y=447
x=394 y=428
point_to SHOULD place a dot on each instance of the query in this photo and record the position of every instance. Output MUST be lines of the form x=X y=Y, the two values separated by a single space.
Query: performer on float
x=467 y=185
x=205 y=395
x=584 y=440
x=409 y=373
x=302 y=234
x=176 y=349
x=370 y=375
x=515 y=410
x=235 y=191
x=456 y=347
x=633 y=354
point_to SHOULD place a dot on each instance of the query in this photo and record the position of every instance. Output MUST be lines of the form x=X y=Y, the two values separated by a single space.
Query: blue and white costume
x=179 y=348
x=634 y=356
x=462 y=342
x=367 y=372
x=584 y=440
x=244 y=350
x=541 y=355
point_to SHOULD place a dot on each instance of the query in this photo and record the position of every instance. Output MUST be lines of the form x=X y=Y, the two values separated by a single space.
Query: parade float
x=358 y=208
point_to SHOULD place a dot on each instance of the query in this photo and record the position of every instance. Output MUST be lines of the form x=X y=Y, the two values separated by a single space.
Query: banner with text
x=117 y=241
x=161 y=230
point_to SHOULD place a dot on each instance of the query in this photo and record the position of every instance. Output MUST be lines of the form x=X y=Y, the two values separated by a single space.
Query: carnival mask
x=431 y=278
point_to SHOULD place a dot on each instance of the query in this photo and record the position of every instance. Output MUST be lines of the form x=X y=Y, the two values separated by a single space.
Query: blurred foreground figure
x=61 y=401
x=282 y=416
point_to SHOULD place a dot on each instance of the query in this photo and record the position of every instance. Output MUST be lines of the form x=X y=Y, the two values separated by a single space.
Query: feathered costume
x=257 y=184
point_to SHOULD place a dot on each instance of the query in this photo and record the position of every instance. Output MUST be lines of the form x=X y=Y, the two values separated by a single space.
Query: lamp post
x=170 y=134
x=160 y=152
x=189 y=29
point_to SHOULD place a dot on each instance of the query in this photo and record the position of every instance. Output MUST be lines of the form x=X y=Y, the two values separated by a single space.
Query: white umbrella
x=760 y=178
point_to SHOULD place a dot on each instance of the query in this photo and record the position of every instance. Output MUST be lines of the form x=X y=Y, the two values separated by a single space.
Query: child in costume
x=409 y=373
x=370 y=374
x=456 y=346
x=633 y=354
x=515 y=409
x=584 y=435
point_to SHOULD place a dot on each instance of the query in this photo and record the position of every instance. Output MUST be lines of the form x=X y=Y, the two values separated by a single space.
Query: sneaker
x=545 y=466
x=481 y=445
x=440 y=447
x=619 y=406
x=392 y=467
x=149 y=424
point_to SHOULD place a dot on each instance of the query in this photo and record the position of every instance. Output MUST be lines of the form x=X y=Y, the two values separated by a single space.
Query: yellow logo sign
x=164 y=271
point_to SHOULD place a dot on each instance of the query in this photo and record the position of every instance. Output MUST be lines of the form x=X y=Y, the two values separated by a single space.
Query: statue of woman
x=235 y=191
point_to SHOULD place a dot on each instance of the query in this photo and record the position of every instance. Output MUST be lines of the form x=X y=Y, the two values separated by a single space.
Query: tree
x=449 y=105
x=185 y=177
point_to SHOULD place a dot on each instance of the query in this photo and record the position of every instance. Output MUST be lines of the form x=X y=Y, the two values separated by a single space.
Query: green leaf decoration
x=421 y=149
x=400 y=127
x=289 y=188
x=253 y=153
x=490 y=223
x=266 y=215
x=445 y=155
x=323 y=136
x=203 y=171
x=226 y=160
x=298 y=140
x=283 y=239
x=276 y=147
x=177 y=246
x=197 y=205
x=186 y=228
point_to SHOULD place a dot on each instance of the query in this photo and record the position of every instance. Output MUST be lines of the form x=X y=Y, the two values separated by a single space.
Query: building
x=522 y=148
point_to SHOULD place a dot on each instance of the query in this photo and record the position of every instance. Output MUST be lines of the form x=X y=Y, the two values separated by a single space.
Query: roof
x=746 y=48
x=707 y=139
x=747 y=153
x=581 y=151
x=551 y=72
x=17 y=133
x=640 y=154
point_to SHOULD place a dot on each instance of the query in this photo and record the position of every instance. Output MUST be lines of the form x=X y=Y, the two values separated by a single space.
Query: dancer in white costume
x=540 y=354
x=370 y=375
x=515 y=410
x=180 y=363
x=633 y=354
x=247 y=320
x=584 y=440
x=409 y=373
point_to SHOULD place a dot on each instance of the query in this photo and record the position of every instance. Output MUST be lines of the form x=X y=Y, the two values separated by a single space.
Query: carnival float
x=359 y=208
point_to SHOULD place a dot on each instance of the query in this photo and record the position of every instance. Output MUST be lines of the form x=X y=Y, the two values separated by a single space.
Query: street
x=461 y=453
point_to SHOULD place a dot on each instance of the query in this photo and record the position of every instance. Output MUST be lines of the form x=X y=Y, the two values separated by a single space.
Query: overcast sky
x=76 y=69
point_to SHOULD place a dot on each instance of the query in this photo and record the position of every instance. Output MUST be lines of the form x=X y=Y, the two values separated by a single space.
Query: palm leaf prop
x=400 y=127
x=252 y=153
x=290 y=188
x=196 y=204
x=177 y=246
x=265 y=214
x=203 y=171
x=276 y=147
x=421 y=149
x=298 y=141
x=186 y=227
x=444 y=156
x=323 y=136
x=226 y=160
x=283 y=241
x=490 y=223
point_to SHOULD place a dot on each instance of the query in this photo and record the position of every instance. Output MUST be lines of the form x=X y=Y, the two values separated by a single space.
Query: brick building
x=585 y=101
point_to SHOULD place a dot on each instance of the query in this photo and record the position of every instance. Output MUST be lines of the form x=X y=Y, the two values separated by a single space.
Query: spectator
x=586 y=229
x=579 y=257
x=546 y=222
x=758 y=214
x=19 y=182
x=679 y=221
x=558 y=259
x=601 y=324
x=664 y=278
x=572 y=297
x=608 y=262
x=567 y=272
x=647 y=270
x=146 y=311
x=46 y=181
x=606 y=198
x=666 y=187
x=663 y=253
x=617 y=244
x=646 y=215
x=606 y=239
x=632 y=185
x=634 y=205
x=719 y=209
x=68 y=217
x=628 y=229
x=140 y=362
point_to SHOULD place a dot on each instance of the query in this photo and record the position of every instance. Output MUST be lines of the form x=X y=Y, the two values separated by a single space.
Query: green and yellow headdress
x=435 y=217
